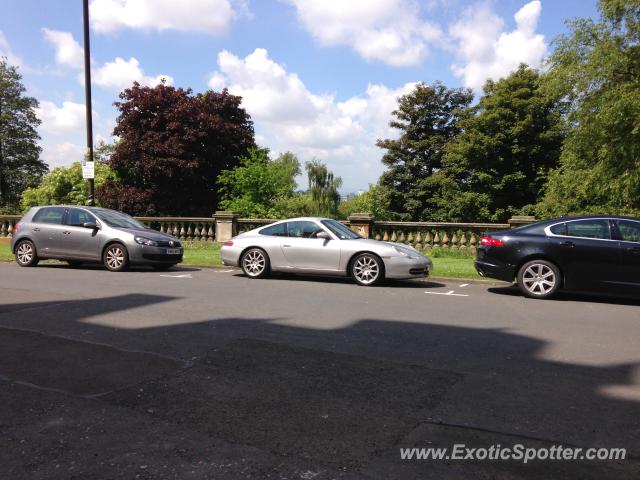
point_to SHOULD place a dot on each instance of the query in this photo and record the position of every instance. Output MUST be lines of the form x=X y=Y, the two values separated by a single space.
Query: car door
x=628 y=231
x=303 y=251
x=586 y=253
x=81 y=242
x=47 y=227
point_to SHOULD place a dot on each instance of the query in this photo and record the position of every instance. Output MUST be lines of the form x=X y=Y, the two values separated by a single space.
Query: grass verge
x=445 y=264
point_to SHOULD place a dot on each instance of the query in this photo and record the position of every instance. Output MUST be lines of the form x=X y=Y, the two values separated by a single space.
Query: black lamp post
x=87 y=90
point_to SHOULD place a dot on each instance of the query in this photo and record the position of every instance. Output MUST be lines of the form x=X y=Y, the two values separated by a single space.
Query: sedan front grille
x=167 y=243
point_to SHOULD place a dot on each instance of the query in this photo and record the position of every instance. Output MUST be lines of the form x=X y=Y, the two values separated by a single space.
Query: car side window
x=77 y=217
x=589 y=229
x=629 y=230
x=51 y=215
x=559 y=229
x=303 y=229
x=279 y=230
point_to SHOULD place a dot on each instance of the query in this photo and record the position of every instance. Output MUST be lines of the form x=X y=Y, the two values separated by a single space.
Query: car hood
x=370 y=243
x=148 y=233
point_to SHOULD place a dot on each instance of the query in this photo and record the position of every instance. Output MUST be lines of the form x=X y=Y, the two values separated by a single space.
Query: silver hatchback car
x=91 y=234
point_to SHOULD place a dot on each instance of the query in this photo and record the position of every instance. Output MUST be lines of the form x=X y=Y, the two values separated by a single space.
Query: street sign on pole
x=88 y=171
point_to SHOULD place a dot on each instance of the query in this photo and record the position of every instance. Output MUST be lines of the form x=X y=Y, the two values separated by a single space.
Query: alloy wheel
x=254 y=263
x=115 y=258
x=25 y=253
x=366 y=269
x=539 y=279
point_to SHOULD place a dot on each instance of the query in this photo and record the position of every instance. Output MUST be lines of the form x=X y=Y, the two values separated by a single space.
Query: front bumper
x=147 y=255
x=407 y=267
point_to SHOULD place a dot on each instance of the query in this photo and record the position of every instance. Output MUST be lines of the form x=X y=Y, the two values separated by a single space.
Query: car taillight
x=491 y=242
x=228 y=244
x=16 y=227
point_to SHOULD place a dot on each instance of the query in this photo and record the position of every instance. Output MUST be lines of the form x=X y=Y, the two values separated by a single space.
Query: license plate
x=173 y=251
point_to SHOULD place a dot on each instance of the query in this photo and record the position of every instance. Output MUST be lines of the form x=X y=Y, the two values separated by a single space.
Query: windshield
x=339 y=230
x=117 y=219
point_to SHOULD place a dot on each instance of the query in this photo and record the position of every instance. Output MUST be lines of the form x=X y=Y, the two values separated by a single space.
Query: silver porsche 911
x=322 y=246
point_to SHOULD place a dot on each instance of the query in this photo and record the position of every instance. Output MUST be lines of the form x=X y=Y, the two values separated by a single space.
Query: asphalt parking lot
x=202 y=373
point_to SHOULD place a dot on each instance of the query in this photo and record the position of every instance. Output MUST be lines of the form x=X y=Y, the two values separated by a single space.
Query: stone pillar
x=361 y=223
x=520 y=220
x=226 y=225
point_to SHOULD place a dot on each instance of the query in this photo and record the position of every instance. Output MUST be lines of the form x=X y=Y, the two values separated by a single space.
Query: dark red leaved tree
x=173 y=145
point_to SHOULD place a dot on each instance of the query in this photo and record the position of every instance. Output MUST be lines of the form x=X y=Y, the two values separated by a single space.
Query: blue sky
x=319 y=77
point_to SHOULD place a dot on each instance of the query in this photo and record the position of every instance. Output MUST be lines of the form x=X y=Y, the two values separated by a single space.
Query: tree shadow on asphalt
x=564 y=296
x=338 y=402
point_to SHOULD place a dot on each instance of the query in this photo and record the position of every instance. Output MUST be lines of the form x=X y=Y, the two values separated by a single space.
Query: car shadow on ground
x=320 y=279
x=98 y=266
x=266 y=398
x=565 y=296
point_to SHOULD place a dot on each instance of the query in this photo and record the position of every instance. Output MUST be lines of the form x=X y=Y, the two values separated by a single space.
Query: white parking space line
x=464 y=285
x=186 y=275
x=449 y=294
x=224 y=271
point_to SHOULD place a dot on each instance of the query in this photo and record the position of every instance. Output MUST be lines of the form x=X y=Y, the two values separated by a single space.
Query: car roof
x=588 y=217
x=316 y=219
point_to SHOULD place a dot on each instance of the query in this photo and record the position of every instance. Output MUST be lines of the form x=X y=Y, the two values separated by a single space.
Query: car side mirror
x=92 y=225
x=323 y=235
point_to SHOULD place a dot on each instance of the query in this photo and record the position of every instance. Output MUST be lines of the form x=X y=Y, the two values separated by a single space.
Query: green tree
x=65 y=185
x=20 y=164
x=597 y=68
x=323 y=189
x=173 y=145
x=499 y=163
x=376 y=201
x=427 y=118
x=259 y=187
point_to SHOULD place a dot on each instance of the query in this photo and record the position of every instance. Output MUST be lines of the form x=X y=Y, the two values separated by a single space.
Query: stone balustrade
x=464 y=237
x=190 y=229
x=7 y=223
x=223 y=225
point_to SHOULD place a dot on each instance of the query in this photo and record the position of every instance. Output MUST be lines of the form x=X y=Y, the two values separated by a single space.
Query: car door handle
x=66 y=232
x=568 y=244
x=285 y=246
x=36 y=229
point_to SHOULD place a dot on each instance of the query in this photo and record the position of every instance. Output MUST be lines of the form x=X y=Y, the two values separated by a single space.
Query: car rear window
x=559 y=229
x=278 y=230
x=589 y=229
x=52 y=215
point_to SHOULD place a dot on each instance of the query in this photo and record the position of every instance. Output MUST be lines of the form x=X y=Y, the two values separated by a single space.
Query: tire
x=539 y=279
x=115 y=257
x=162 y=268
x=255 y=263
x=367 y=269
x=26 y=255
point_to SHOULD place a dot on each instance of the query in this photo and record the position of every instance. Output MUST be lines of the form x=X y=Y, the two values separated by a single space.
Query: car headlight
x=146 y=241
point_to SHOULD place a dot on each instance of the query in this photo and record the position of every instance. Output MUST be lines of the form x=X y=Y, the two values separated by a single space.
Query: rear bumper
x=230 y=256
x=499 y=271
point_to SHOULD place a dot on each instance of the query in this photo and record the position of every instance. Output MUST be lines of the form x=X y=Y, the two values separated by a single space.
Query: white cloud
x=206 y=16
x=6 y=51
x=121 y=74
x=289 y=117
x=68 y=52
x=390 y=31
x=59 y=120
x=62 y=154
x=486 y=51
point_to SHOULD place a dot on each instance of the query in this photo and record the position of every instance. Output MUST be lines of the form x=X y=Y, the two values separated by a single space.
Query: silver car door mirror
x=323 y=235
